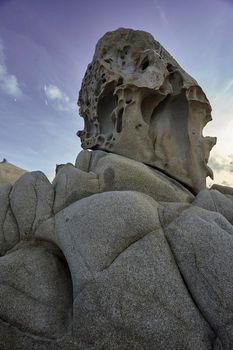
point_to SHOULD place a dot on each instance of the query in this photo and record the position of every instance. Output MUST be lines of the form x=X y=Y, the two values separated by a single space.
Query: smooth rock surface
x=31 y=201
x=36 y=290
x=118 y=173
x=9 y=234
x=202 y=244
x=72 y=184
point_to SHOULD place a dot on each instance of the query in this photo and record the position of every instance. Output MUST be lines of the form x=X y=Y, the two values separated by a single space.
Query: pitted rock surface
x=138 y=102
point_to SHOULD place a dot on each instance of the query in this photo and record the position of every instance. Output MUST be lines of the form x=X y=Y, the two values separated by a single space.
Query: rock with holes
x=138 y=102
x=31 y=202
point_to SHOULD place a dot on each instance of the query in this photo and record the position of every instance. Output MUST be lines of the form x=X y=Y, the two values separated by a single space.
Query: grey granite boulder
x=202 y=244
x=126 y=249
x=31 y=201
x=118 y=173
x=36 y=290
x=71 y=185
x=9 y=234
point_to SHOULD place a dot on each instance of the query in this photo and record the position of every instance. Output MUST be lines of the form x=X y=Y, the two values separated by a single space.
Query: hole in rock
x=100 y=139
x=176 y=81
x=148 y=105
x=138 y=126
x=120 y=81
x=169 y=121
x=170 y=67
x=119 y=120
x=89 y=127
x=106 y=104
x=145 y=63
x=108 y=60
x=126 y=49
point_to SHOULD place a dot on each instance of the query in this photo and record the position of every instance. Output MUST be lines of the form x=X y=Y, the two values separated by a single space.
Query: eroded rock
x=138 y=102
x=121 y=252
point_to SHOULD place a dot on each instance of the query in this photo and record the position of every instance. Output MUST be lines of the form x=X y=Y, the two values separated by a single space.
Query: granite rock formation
x=116 y=254
x=138 y=102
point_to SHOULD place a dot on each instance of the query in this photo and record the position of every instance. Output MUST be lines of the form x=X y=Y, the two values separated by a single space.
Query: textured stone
x=118 y=253
x=214 y=200
x=72 y=184
x=223 y=189
x=202 y=244
x=150 y=304
x=36 y=290
x=120 y=173
x=123 y=217
x=138 y=102
x=9 y=234
x=31 y=201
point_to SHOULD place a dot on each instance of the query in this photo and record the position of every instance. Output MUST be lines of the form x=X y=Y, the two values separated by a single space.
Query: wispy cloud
x=161 y=13
x=58 y=99
x=8 y=82
x=221 y=163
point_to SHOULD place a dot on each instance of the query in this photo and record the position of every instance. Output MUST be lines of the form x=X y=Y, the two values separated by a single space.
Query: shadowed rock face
x=138 y=102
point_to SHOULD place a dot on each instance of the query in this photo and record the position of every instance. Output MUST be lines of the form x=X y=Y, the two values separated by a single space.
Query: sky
x=45 y=46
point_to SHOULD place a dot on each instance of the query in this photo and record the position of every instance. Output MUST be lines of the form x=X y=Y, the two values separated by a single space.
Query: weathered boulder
x=118 y=173
x=9 y=234
x=35 y=291
x=72 y=184
x=126 y=249
x=31 y=201
x=202 y=243
x=138 y=102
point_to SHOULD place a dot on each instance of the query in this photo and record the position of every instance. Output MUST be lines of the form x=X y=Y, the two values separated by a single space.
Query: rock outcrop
x=9 y=172
x=138 y=102
x=116 y=254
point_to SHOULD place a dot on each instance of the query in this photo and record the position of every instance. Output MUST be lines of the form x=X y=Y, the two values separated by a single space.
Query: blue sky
x=46 y=45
